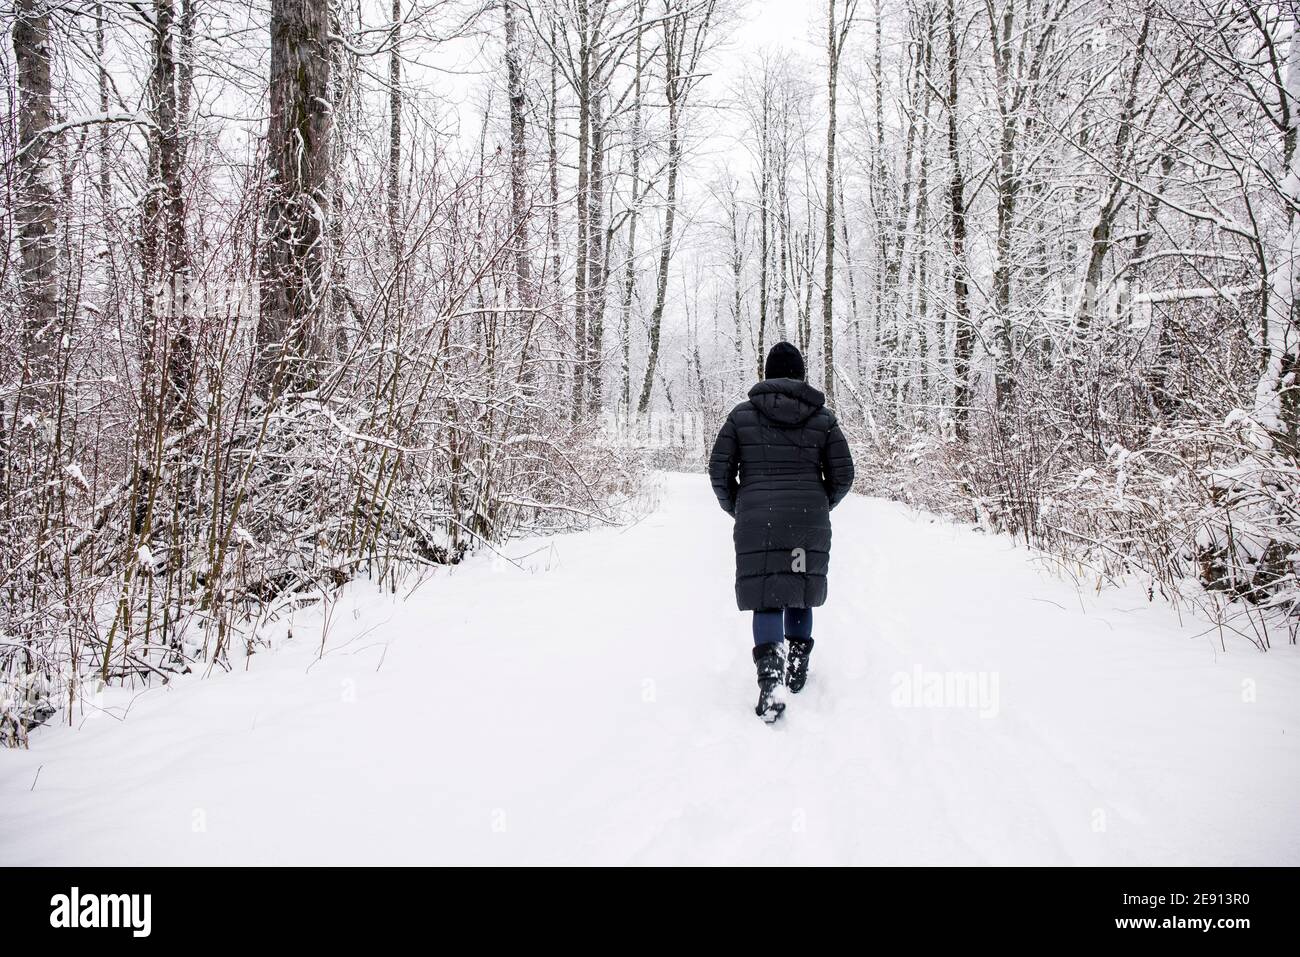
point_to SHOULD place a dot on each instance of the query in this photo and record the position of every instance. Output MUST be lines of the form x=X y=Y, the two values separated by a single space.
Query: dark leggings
x=774 y=624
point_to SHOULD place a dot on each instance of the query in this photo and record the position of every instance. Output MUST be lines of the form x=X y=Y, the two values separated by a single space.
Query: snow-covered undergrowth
x=244 y=525
x=1204 y=516
x=587 y=698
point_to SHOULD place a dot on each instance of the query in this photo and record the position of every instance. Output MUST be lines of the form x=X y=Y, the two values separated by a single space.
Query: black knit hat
x=784 y=362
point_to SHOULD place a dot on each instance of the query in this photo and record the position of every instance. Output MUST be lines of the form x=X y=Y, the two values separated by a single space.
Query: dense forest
x=297 y=291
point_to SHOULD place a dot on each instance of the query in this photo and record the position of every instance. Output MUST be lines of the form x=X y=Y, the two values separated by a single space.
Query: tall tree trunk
x=665 y=248
x=884 y=310
x=394 y=204
x=293 y=255
x=38 y=284
x=341 y=303
x=597 y=258
x=1277 y=397
x=629 y=276
x=101 y=68
x=553 y=162
x=921 y=399
x=810 y=258
x=1005 y=201
x=737 y=270
x=519 y=214
x=835 y=39
x=964 y=332
x=185 y=74
x=855 y=322
x=782 y=173
x=583 y=257
x=165 y=249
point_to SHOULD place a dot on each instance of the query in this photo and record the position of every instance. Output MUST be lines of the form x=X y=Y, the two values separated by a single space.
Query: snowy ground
x=569 y=712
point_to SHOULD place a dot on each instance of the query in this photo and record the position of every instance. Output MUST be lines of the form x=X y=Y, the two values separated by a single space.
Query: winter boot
x=771 y=670
x=797 y=663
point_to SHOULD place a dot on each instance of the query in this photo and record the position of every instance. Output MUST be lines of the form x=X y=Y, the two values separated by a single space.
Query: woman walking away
x=794 y=467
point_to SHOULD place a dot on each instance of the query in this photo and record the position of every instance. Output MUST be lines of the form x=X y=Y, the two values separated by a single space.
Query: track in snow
x=596 y=707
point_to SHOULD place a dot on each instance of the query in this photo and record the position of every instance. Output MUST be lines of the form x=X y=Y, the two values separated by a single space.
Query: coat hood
x=786 y=401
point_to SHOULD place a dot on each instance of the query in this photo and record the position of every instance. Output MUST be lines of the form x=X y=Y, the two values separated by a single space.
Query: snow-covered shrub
x=1132 y=456
x=142 y=534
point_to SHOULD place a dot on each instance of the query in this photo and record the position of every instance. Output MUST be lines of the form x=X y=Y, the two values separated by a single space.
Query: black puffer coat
x=794 y=466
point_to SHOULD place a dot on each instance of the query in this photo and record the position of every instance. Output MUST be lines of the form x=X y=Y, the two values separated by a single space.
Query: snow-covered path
x=568 y=713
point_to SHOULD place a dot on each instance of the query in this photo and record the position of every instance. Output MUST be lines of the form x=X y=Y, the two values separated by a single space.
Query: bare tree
x=164 y=245
x=298 y=174
x=685 y=37
x=964 y=332
x=38 y=282
x=837 y=35
x=519 y=202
